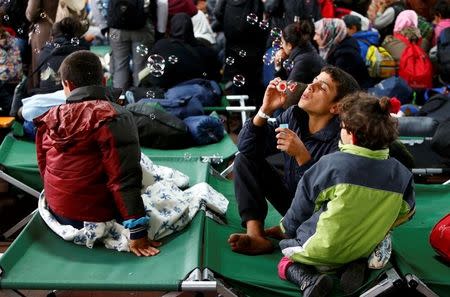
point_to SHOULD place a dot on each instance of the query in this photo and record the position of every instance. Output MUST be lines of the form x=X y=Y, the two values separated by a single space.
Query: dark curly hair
x=369 y=120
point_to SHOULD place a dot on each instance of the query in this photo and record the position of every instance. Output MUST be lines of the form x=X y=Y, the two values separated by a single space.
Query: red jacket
x=88 y=155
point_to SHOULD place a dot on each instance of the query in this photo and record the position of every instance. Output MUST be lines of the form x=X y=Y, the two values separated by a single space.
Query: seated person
x=88 y=155
x=313 y=132
x=365 y=38
x=191 y=58
x=339 y=49
x=64 y=41
x=347 y=202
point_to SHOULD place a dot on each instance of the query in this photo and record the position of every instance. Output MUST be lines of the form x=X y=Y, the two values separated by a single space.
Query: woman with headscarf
x=382 y=15
x=405 y=27
x=340 y=50
x=185 y=58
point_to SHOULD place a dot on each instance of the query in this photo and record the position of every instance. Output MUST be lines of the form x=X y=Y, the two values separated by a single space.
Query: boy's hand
x=144 y=247
x=273 y=98
x=290 y=143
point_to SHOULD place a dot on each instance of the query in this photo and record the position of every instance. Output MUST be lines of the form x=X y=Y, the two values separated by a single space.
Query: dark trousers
x=255 y=180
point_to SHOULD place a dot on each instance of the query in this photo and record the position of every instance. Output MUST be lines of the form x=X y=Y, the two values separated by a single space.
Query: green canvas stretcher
x=253 y=275
x=412 y=252
x=18 y=157
x=38 y=259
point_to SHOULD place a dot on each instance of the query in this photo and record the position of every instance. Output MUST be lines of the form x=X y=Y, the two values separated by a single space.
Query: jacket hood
x=181 y=27
x=84 y=112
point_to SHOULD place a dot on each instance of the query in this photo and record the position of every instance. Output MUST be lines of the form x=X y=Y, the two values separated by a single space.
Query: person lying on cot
x=88 y=155
x=347 y=202
x=313 y=131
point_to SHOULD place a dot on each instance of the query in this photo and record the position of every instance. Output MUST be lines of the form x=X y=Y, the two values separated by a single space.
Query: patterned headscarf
x=331 y=32
x=406 y=18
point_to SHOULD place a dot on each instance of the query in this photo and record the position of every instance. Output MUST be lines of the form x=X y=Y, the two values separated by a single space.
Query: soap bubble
x=264 y=25
x=275 y=32
x=187 y=156
x=288 y=64
x=150 y=94
x=229 y=61
x=42 y=15
x=152 y=116
x=239 y=80
x=252 y=19
x=20 y=31
x=276 y=44
x=172 y=59
x=6 y=18
x=142 y=50
x=268 y=58
x=75 y=41
x=156 y=64
x=242 y=53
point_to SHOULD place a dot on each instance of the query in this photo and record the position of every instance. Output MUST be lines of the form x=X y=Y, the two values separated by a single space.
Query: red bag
x=440 y=237
x=415 y=65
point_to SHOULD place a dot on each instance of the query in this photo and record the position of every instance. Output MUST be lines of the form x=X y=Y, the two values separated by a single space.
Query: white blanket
x=169 y=209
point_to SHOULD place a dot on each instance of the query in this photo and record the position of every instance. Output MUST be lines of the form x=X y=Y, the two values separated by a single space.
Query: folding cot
x=198 y=258
x=413 y=256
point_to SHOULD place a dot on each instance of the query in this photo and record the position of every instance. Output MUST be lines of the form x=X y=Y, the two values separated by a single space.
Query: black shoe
x=311 y=283
x=322 y=287
x=353 y=276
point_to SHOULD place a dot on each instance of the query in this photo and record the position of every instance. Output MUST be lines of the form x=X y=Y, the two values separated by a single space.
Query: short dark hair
x=299 y=33
x=352 y=20
x=345 y=83
x=442 y=8
x=68 y=27
x=368 y=118
x=82 y=68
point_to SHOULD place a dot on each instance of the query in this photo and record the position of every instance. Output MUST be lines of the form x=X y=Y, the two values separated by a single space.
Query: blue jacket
x=260 y=142
x=365 y=39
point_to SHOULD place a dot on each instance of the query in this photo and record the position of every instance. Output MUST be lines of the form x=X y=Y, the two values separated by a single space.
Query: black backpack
x=443 y=55
x=437 y=107
x=158 y=128
x=127 y=14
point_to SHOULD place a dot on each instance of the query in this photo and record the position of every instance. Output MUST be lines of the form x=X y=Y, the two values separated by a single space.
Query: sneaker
x=322 y=287
x=353 y=276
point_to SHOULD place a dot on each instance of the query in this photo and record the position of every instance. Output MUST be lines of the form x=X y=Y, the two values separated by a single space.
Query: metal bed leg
x=393 y=280
x=415 y=283
x=24 y=188
x=19 y=184
x=19 y=225
x=205 y=281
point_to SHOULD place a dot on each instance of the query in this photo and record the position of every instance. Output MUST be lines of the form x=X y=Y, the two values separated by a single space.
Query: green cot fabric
x=19 y=159
x=39 y=259
x=412 y=251
x=254 y=275
x=224 y=149
x=100 y=50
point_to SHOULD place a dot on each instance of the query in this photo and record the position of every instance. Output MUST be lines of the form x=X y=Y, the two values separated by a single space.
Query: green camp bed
x=414 y=258
x=252 y=275
x=18 y=157
x=39 y=259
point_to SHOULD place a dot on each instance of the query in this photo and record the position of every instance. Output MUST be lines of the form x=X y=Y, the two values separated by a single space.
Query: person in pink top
x=441 y=13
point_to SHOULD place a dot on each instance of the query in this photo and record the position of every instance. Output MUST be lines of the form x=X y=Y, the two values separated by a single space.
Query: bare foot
x=275 y=232
x=250 y=244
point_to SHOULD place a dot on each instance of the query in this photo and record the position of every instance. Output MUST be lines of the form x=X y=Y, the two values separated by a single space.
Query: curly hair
x=369 y=120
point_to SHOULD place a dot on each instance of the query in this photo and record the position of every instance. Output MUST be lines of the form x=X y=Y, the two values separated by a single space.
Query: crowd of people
x=309 y=64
